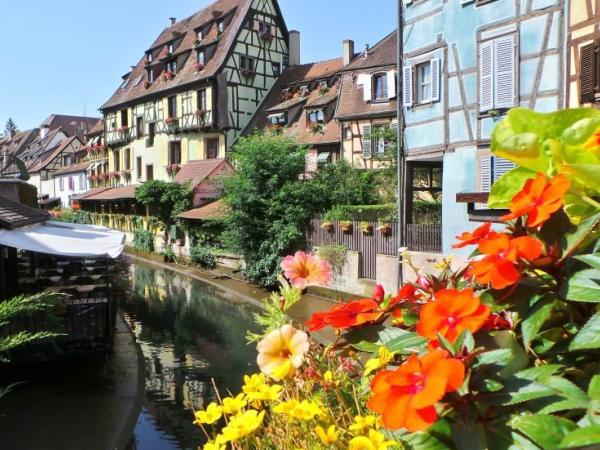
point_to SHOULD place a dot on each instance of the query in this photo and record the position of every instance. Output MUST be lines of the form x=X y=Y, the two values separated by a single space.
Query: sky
x=68 y=56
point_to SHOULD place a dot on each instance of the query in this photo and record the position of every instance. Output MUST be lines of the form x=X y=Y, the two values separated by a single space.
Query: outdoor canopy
x=66 y=239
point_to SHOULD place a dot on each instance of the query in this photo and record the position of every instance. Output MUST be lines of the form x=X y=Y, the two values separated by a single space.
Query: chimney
x=366 y=51
x=348 y=51
x=173 y=20
x=294 y=48
x=44 y=131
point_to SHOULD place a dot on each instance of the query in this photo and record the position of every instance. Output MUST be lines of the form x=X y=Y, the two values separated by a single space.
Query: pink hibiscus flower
x=304 y=270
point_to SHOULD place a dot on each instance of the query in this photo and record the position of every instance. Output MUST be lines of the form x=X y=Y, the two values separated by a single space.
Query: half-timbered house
x=195 y=89
x=465 y=64
x=583 y=54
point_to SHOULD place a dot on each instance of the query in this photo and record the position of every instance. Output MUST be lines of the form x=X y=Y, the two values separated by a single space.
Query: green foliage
x=143 y=240
x=202 y=254
x=387 y=212
x=269 y=202
x=168 y=200
x=168 y=253
x=73 y=216
x=336 y=255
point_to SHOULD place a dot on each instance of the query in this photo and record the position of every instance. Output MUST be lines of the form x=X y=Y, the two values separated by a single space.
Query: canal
x=189 y=333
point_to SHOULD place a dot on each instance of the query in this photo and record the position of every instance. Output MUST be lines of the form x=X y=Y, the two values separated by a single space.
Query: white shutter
x=485 y=173
x=435 y=80
x=407 y=85
x=501 y=166
x=486 y=76
x=407 y=2
x=367 y=142
x=504 y=72
x=367 y=89
x=391 y=83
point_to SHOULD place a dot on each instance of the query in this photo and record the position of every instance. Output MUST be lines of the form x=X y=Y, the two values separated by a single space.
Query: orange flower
x=407 y=293
x=346 y=316
x=451 y=313
x=406 y=397
x=473 y=238
x=500 y=267
x=306 y=270
x=538 y=199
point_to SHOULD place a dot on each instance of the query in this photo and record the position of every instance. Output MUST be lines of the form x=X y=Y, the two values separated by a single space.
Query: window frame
x=138 y=167
x=175 y=156
x=201 y=100
x=172 y=106
x=384 y=97
x=418 y=84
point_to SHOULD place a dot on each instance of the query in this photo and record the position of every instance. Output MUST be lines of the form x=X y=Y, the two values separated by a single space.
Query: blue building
x=466 y=62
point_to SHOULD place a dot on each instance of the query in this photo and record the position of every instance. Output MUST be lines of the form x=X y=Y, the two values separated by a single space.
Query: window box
x=266 y=35
x=168 y=75
x=327 y=226
x=385 y=229
x=173 y=169
x=366 y=228
x=172 y=122
x=346 y=226
x=123 y=129
x=316 y=127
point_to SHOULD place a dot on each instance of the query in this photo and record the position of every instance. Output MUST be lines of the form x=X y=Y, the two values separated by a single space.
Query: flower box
x=385 y=229
x=200 y=113
x=266 y=36
x=173 y=169
x=327 y=226
x=366 y=228
x=346 y=226
x=167 y=76
x=171 y=121
x=316 y=127
x=123 y=129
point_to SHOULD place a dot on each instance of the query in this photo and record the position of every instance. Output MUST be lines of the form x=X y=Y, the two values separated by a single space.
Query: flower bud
x=423 y=282
x=378 y=293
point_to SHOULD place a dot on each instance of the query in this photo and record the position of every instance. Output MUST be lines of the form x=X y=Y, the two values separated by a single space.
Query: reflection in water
x=189 y=332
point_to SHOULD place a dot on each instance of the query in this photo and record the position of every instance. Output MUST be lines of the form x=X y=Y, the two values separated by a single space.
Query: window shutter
x=501 y=166
x=407 y=2
x=504 y=72
x=407 y=86
x=587 y=73
x=391 y=83
x=368 y=88
x=367 y=142
x=435 y=80
x=486 y=76
x=485 y=173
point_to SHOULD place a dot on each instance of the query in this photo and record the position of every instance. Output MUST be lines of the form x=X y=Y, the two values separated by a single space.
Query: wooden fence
x=424 y=238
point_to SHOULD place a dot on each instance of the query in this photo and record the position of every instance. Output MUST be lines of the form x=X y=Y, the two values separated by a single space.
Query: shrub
x=202 y=255
x=371 y=213
x=143 y=240
x=72 y=216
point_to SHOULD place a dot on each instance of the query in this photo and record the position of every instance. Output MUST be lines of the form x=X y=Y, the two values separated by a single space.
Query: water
x=189 y=333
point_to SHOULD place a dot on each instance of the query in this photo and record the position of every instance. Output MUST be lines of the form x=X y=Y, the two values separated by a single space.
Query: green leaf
x=465 y=339
x=538 y=373
x=584 y=286
x=367 y=347
x=591 y=260
x=468 y=436
x=588 y=337
x=519 y=359
x=594 y=388
x=589 y=174
x=525 y=150
x=535 y=319
x=574 y=239
x=582 y=436
x=578 y=133
x=445 y=344
x=507 y=186
x=438 y=437
x=378 y=335
x=545 y=430
x=566 y=388
x=406 y=344
x=564 y=405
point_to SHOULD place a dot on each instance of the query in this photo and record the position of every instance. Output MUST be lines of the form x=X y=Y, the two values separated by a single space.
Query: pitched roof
x=71 y=125
x=383 y=53
x=90 y=193
x=351 y=102
x=14 y=214
x=197 y=171
x=17 y=143
x=118 y=193
x=96 y=129
x=215 y=210
x=53 y=154
x=183 y=34
x=79 y=167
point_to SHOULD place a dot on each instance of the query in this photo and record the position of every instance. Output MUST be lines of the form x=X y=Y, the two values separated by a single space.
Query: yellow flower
x=210 y=415
x=363 y=424
x=241 y=425
x=327 y=437
x=234 y=405
x=281 y=352
x=385 y=356
x=304 y=410
x=328 y=376
x=444 y=263
x=375 y=441
x=213 y=446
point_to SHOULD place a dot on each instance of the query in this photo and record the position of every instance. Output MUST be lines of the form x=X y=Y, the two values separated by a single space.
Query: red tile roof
x=85 y=195
x=118 y=193
x=381 y=54
x=80 y=167
x=71 y=125
x=197 y=171
x=212 y=211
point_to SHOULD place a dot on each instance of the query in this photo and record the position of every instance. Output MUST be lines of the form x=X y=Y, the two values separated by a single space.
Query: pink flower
x=304 y=270
x=378 y=293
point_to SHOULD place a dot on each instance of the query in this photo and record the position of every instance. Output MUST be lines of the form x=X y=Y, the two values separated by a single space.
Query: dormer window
x=316 y=116
x=170 y=48
x=125 y=83
x=149 y=57
x=304 y=91
x=199 y=36
x=201 y=58
x=150 y=75
x=380 y=87
x=171 y=66
x=221 y=27
x=277 y=119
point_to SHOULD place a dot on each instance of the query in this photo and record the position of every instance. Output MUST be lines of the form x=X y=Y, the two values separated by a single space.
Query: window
x=423 y=82
x=171 y=66
x=149 y=57
x=67 y=160
x=175 y=153
x=149 y=172
x=247 y=63
x=125 y=83
x=221 y=27
x=172 y=106
x=151 y=134
x=138 y=80
x=124 y=118
x=139 y=125
x=497 y=73
x=347 y=133
x=285 y=62
x=201 y=57
x=202 y=100
x=71 y=184
x=277 y=119
x=138 y=167
x=127 y=162
x=383 y=143
x=589 y=75
x=170 y=48
x=199 y=36
x=276 y=69
x=304 y=91
x=380 y=87
x=61 y=184
x=316 y=116
x=490 y=169
x=117 y=161
x=212 y=148
x=150 y=75
x=263 y=27
x=82 y=182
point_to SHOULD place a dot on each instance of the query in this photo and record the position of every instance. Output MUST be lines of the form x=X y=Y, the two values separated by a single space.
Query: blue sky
x=66 y=55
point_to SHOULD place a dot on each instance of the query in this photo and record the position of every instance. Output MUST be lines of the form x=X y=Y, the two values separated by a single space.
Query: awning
x=323 y=157
x=66 y=239
x=93 y=166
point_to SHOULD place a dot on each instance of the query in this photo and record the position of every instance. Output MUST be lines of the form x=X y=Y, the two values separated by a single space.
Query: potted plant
x=316 y=127
x=168 y=75
x=323 y=89
x=346 y=226
x=170 y=120
x=366 y=228
x=327 y=224
x=200 y=113
x=266 y=35
x=173 y=169
x=248 y=73
x=384 y=228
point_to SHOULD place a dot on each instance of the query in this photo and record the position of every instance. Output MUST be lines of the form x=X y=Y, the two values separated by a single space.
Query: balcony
x=121 y=135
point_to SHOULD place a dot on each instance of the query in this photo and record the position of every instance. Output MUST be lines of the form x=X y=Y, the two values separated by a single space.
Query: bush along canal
x=189 y=333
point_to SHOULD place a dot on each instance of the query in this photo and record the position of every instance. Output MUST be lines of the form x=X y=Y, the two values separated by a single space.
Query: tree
x=269 y=202
x=10 y=127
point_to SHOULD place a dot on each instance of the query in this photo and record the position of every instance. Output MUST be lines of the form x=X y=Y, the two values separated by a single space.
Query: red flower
x=378 y=293
x=407 y=293
x=497 y=322
x=406 y=397
x=451 y=313
x=500 y=265
x=347 y=315
x=423 y=282
x=473 y=238
x=539 y=199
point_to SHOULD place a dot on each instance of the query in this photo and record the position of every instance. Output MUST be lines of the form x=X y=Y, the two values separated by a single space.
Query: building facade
x=194 y=90
x=466 y=63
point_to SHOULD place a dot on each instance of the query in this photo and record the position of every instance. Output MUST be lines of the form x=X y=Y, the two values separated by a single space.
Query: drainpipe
x=400 y=139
